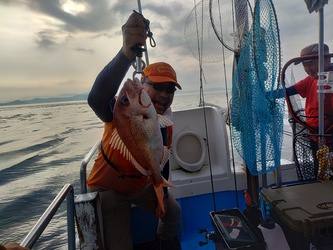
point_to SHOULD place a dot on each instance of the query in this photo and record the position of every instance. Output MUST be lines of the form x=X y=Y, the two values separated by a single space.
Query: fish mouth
x=142 y=99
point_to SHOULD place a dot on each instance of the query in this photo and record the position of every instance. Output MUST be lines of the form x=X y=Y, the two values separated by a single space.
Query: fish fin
x=164 y=121
x=117 y=144
x=165 y=157
x=140 y=168
x=160 y=211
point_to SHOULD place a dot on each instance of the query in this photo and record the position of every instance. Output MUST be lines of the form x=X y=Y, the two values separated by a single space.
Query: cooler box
x=304 y=212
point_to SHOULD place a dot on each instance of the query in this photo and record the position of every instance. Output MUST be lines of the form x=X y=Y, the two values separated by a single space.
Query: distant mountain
x=80 y=97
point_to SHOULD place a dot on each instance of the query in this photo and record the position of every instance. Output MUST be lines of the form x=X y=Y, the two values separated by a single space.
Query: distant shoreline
x=81 y=97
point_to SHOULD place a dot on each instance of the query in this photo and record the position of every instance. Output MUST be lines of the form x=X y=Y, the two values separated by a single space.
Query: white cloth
x=274 y=238
x=168 y=113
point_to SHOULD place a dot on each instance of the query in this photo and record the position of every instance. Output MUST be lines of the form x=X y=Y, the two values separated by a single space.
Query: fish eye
x=124 y=100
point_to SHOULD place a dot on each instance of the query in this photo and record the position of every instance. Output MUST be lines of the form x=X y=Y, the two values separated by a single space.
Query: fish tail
x=161 y=210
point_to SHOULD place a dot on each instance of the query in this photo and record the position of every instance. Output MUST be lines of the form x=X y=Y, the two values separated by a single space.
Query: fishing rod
x=145 y=46
x=139 y=64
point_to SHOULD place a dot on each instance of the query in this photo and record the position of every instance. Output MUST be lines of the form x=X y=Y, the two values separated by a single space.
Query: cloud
x=59 y=26
x=89 y=51
x=51 y=38
x=95 y=16
x=77 y=38
x=11 y=3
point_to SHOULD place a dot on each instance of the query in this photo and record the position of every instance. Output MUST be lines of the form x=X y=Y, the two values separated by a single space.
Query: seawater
x=41 y=149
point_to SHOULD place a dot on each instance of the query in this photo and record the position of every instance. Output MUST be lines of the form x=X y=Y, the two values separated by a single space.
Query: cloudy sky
x=57 y=47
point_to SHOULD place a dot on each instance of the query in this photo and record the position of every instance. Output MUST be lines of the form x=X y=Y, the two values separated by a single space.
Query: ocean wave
x=19 y=162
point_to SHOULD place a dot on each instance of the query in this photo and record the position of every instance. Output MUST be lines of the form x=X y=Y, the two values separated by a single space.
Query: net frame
x=200 y=37
x=256 y=112
x=240 y=25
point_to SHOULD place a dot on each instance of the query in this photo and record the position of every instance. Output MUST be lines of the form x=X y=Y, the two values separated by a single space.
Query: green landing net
x=256 y=111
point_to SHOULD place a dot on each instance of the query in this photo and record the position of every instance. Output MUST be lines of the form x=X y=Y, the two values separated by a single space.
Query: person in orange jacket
x=118 y=182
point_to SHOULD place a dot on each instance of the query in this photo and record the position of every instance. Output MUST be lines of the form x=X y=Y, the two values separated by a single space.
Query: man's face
x=161 y=94
x=311 y=68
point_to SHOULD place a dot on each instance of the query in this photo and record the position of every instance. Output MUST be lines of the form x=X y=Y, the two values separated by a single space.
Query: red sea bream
x=138 y=135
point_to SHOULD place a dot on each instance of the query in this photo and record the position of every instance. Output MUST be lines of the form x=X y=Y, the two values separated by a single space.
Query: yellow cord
x=324 y=163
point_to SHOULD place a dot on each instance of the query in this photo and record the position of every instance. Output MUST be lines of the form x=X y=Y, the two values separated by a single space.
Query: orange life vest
x=114 y=171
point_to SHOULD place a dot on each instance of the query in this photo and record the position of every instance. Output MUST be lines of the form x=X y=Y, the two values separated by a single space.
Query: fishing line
x=230 y=21
x=228 y=110
x=226 y=86
x=202 y=98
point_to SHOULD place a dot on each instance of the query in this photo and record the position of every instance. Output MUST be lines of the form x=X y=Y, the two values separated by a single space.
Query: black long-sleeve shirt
x=106 y=86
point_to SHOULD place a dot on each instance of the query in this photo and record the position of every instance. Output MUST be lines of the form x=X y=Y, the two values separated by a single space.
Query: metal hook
x=138 y=64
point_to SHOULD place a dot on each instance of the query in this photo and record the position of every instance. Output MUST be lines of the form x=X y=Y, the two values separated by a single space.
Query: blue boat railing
x=67 y=192
x=83 y=168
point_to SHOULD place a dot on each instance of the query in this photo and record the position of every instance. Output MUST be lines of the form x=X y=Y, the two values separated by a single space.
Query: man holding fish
x=135 y=144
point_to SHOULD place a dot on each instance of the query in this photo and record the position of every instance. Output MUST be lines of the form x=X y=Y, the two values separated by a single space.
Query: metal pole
x=83 y=168
x=320 y=77
x=46 y=217
x=145 y=46
x=70 y=220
